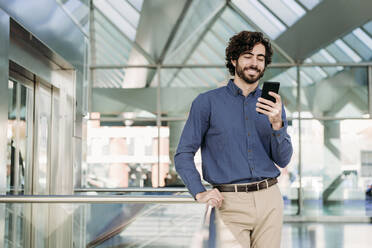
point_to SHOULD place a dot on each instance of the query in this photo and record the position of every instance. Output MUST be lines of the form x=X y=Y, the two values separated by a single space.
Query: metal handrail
x=202 y=237
x=95 y=199
x=137 y=189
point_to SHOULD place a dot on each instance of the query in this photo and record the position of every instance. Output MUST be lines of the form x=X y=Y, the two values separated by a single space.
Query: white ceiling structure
x=185 y=40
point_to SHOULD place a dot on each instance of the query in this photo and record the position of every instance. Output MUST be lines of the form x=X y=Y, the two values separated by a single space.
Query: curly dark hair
x=243 y=42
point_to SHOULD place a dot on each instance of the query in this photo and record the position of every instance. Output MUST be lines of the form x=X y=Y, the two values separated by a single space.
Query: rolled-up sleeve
x=281 y=145
x=192 y=138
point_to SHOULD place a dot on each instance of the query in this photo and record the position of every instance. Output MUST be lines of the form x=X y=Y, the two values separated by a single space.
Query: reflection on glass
x=289 y=178
x=78 y=10
x=126 y=156
x=43 y=132
x=20 y=124
x=336 y=166
x=19 y=136
x=336 y=93
x=107 y=225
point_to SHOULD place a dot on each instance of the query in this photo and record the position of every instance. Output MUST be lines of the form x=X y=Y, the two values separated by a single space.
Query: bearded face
x=250 y=74
x=250 y=66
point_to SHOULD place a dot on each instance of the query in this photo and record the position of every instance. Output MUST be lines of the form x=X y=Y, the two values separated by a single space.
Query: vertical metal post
x=300 y=195
x=91 y=55
x=4 y=77
x=370 y=91
x=158 y=116
x=16 y=141
x=14 y=207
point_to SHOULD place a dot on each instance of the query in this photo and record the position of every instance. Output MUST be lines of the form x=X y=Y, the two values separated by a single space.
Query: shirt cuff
x=196 y=189
x=280 y=134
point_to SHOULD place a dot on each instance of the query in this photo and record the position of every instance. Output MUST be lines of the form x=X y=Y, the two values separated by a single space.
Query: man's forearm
x=185 y=167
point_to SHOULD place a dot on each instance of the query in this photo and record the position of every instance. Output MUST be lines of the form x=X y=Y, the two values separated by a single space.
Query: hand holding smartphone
x=267 y=87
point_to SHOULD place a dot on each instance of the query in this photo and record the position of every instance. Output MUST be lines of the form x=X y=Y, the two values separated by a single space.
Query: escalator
x=336 y=183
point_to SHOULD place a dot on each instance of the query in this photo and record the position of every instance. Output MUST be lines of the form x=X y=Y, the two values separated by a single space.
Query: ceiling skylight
x=287 y=10
x=261 y=16
x=121 y=14
x=274 y=17
x=363 y=37
x=355 y=57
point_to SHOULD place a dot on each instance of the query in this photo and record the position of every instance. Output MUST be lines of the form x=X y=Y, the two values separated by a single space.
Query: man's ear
x=233 y=61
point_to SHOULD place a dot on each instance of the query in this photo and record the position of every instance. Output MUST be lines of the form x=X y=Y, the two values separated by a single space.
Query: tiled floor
x=318 y=235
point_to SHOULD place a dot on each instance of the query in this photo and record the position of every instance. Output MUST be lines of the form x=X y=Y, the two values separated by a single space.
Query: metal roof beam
x=326 y=22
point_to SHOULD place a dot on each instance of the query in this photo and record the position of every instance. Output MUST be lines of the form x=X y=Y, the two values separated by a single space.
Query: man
x=242 y=137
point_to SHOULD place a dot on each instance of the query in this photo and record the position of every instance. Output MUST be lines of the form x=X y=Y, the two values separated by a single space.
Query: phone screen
x=270 y=86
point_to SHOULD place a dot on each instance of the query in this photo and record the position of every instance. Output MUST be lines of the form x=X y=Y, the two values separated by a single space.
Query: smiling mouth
x=252 y=71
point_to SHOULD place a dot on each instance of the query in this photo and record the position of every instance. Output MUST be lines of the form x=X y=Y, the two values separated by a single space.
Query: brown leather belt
x=247 y=187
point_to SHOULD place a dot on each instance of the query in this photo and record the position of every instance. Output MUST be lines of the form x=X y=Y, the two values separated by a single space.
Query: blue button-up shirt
x=238 y=145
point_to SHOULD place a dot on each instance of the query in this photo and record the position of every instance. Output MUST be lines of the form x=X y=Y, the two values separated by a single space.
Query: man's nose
x=254 y=61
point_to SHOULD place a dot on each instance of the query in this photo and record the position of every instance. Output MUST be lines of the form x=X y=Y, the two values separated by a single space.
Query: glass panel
x=181 y=86
x=12 y=127
x=137 y=4
x=289 y=178
x=129 y=13
x=211 y=50
x=341 y=235
x=16 y=233
x=336 y=167
x=347 y=50
x=116 y=18
x=261 y=16
x=78 y=10
x=288 y=10
x=103 y=225
x=341 y=94
x=233 y=22
x=44 y=103
x=132 y=79
x=20 y=123
x=195 y=21
x=120 y=157
x=359 y=46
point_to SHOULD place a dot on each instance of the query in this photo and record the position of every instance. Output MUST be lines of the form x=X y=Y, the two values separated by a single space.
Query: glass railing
x=104 y=221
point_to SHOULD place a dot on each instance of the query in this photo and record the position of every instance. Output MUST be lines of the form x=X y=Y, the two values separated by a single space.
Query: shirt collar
x=235 y=90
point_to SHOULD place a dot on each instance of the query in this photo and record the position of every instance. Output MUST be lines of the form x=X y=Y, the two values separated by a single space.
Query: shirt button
x=246 y=117
x=249 y=134
x=249 y=150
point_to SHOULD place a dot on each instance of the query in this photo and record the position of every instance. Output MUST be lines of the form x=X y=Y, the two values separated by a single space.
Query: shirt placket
x=248 y=132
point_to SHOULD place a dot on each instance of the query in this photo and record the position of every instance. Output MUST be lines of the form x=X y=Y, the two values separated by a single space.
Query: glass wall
x=329 y=124
x=120 y=225
x=139 y=86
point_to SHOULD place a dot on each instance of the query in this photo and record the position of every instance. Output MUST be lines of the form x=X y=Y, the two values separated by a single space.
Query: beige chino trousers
x=252 y=219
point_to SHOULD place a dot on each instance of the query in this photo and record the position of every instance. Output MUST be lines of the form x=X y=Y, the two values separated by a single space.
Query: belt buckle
x=258 y=186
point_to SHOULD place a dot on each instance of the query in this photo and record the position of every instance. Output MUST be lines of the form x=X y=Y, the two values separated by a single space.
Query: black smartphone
x=269 y=86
